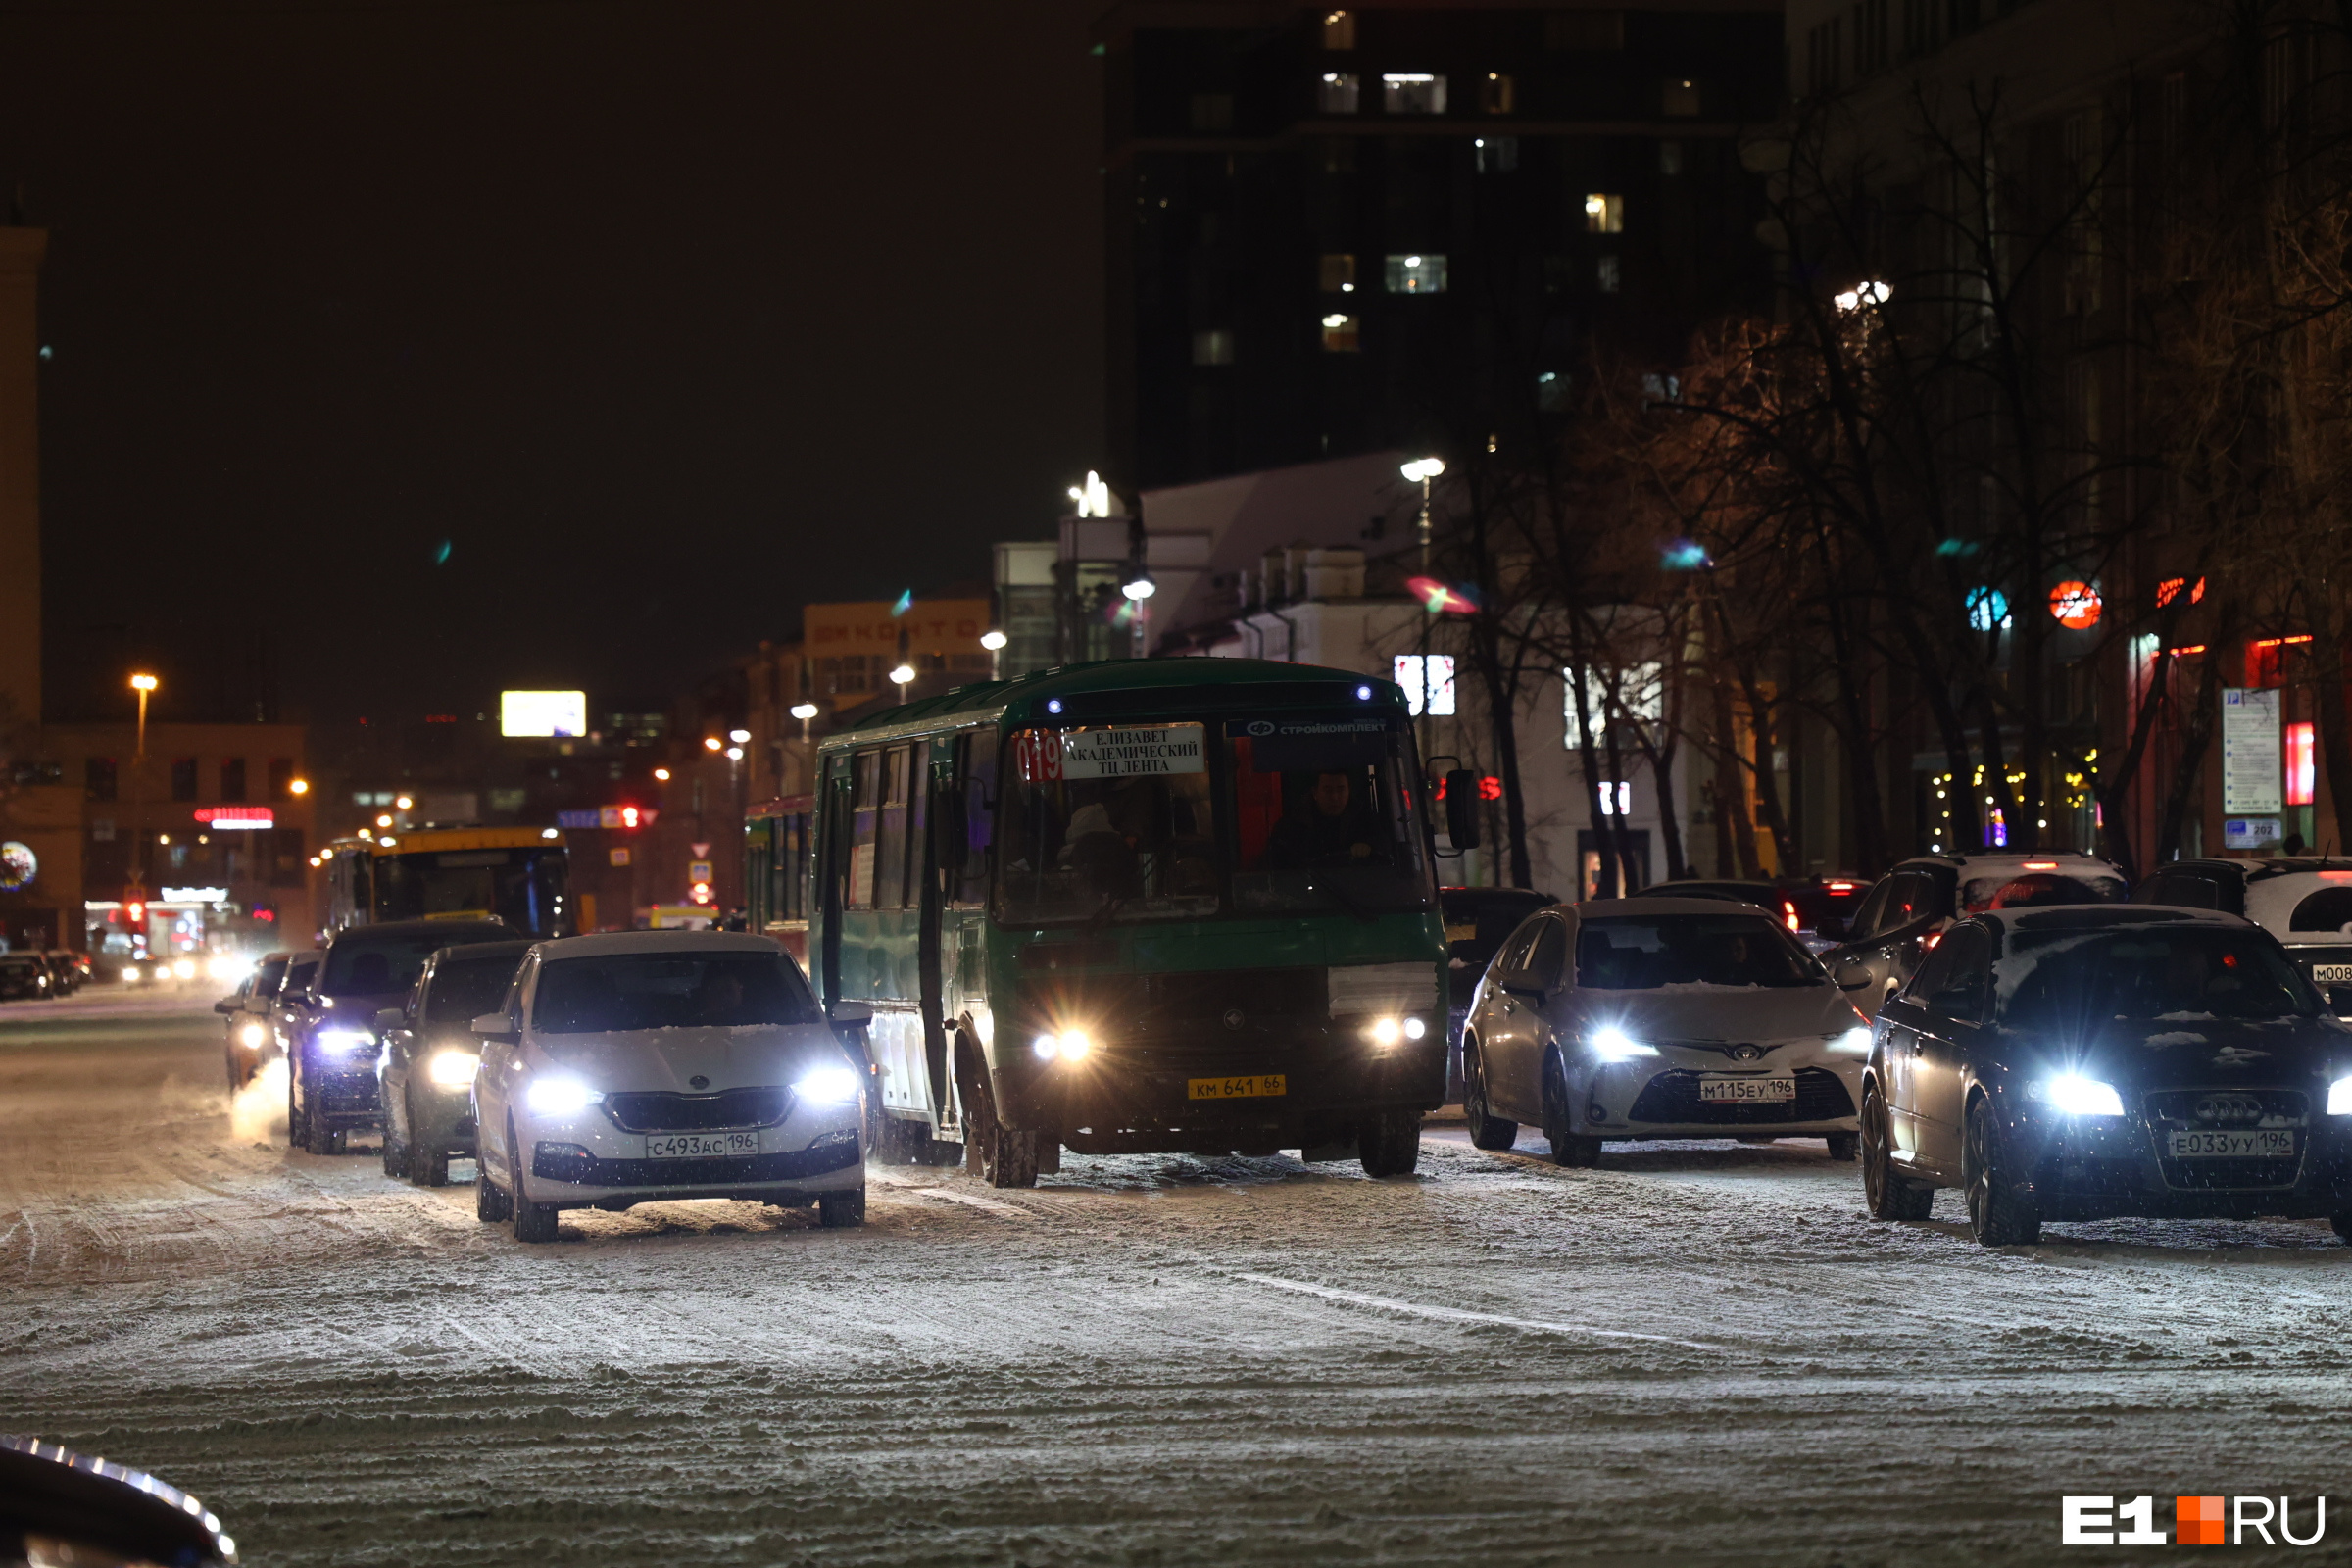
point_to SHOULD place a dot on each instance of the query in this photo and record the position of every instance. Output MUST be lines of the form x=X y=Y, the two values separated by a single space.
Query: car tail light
x=1788 y=914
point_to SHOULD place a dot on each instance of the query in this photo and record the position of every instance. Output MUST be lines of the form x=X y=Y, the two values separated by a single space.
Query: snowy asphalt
x=1698 y=1353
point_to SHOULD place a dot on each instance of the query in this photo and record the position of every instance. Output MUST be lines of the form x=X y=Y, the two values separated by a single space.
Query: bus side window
x=890 y=861
x=865 y=826
x=978 y=773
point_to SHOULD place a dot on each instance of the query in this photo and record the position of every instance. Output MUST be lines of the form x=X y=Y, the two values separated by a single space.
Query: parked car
x=1764 y=896
x=2304 y=900
x=24 y=976
x=425 y=1072
x=331 y=1041
x=1660 y=1017
x=64 y=972
x=1826 y=907
x=661 y=1064
x=1905 y=914
x=1478 y=921
x=2084 y=1064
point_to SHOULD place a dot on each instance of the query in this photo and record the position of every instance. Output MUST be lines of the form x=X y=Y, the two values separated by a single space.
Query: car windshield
x=265 y=983
x=464 y=989
x=713 y=990
x=2036 y=890
x=1673 y=952
x=369 y=965
x=2055 y=979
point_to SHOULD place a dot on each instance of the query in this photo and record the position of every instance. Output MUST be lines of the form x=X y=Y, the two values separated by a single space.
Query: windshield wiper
x=1344 y=902
x=1112 y=904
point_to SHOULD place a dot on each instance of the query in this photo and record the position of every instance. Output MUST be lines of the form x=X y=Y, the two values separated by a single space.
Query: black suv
x=1899 y=923
x=2305 y=901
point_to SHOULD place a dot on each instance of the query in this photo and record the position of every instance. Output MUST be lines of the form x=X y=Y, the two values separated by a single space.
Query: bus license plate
x=1253 y=1086
x=2331 y=974
x=701 y=1145
x=2263 y=1145
x=1746 y=1089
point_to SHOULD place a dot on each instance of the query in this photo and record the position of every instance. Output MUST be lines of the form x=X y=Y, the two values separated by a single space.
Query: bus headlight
x=1070 y=1045
x=452 y=1069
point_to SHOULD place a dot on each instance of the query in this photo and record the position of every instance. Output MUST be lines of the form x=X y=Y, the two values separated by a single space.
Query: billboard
x=543 y=713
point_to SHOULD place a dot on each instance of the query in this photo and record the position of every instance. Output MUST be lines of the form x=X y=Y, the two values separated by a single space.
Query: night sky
x=668 y=316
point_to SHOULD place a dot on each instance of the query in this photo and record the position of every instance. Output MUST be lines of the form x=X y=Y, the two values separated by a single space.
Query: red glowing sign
x=223 y=818
x=2076 y=605
x=2299 y=770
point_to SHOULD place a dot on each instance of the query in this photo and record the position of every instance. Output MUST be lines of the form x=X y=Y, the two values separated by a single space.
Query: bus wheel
x=993 y=1151
x=1388 y=1142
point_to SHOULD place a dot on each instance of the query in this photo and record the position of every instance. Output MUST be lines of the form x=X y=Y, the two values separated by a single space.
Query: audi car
x=638 y=1066
x=1660 y=1017
x=2088 y=1063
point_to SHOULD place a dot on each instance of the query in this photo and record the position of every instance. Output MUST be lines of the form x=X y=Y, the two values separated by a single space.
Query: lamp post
x=1138 y=590
x=1421 y=471
x=135 y=895
x=144 y=685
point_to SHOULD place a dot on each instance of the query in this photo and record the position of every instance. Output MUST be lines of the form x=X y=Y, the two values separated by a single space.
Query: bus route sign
x=1133 y=750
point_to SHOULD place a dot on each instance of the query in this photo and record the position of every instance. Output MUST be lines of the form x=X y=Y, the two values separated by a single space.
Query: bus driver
x=1334 y=831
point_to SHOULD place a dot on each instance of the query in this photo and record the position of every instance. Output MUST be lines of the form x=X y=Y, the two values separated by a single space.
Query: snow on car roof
x=609 y=943
x=2099 y=916
x=2272 y=902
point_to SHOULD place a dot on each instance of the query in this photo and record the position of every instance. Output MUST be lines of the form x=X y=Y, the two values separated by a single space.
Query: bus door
x=937 y=804
x=832 y=873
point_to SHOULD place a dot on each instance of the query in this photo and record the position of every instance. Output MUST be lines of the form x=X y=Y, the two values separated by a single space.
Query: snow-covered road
x=1697 y=1353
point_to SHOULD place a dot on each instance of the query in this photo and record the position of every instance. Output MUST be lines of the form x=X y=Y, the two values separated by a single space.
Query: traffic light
x=135 y=911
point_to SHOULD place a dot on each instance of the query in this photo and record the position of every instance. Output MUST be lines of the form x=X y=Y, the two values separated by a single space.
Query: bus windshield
x=1124 y=822
x=522 y=887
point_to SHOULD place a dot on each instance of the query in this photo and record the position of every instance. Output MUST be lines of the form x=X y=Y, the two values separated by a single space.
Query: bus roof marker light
x=1052 y=705
x=1363 y=694
x=547 y=832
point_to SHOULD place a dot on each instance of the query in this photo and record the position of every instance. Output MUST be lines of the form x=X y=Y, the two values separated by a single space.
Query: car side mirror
x=388 y=1019
x=229 y=1005
x=1852 y=975
x=948 y=837
x=83 y=1510
x=1461 y=808
x=849 y=1014
x=502 y=1026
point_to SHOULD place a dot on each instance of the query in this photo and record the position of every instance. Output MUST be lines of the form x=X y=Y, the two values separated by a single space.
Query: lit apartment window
x=1337 y=93
x=1607 y=275
x=1428 y=682
x=1496 y=155
x=1413 y=92
x=1416 y=275
x=1213 y=110
x=1680 y=97
x=1213 y=346
x=1338 y=30
x=1497 y=95
x=1605 y=215
x=1339 y=333
x=1337 y=274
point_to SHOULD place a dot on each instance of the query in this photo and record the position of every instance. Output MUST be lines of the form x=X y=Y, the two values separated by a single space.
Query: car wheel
x=396 y=1155
x=1843 y=1146
x=1388 y=1142
x=533 y=1222
x=318 y=1137
x=1998 y=1214
x=490 y=1205
x=1885 y=1194
x=841 y=1211
x=1486 y=1130
x=426 y=1167
x=294 y=1133
x=1570 y=1149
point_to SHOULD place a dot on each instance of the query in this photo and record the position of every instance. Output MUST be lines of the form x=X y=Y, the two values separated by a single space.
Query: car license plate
x=2331 y=974
x=2264 y=1144
x=1743 y=1090
x=701 y=1145
x=1250 y=1086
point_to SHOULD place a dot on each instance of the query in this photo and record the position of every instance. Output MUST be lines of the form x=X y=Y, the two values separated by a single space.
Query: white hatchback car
x=641 y=1066
x=1660 y=1017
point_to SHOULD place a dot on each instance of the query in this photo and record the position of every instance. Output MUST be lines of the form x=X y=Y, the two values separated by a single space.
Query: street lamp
x=804 y=712
x=1421 y=471
x=739 y=736
x=298 y=786
x=903 y=677
x=144 y=685
x=994 y=641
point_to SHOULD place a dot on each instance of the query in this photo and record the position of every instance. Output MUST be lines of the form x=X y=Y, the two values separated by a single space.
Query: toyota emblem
x=1746 y=1054
x=1233 y=1017
x=2230 y=1107
x=697 y=1081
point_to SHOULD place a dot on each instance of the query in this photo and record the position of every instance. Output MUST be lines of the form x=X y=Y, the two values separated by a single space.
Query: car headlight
x=252 y=1035
x=345 y=1042
x=2339 y=1098
x=1612 y=1044
x=131 y=972
x=452 y=1069
x=1070 y=1045
x=559 y=1094
x=1854 y=1042
x=826 y=1085
x=2070 y=1093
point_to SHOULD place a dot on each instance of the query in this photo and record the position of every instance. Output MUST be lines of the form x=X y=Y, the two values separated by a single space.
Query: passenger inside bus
x=1330 y=827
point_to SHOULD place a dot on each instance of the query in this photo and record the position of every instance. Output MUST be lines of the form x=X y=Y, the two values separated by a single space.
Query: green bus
x=1140 y=906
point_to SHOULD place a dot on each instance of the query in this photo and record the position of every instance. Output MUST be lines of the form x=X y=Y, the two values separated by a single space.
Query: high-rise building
x=1335 y=232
